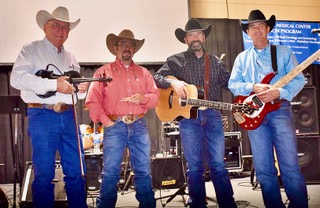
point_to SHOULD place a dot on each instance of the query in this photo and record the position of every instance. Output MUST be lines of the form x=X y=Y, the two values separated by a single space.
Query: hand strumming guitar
x=265 y=92
x=180 y=87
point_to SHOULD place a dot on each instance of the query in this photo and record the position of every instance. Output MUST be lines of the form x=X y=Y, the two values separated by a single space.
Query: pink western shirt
x=126 y=81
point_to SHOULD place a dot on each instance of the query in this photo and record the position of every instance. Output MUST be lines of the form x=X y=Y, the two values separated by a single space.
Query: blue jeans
x=278 y=131
x=50 y=131
x=203 y=138
x=136 y=137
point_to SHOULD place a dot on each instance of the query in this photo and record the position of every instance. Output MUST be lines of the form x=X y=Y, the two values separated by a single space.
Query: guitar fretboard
x=210 y=104
x=286 y=79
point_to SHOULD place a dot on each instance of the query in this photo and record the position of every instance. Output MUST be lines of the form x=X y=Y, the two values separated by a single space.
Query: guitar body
x=253 y=121
x=169 y=107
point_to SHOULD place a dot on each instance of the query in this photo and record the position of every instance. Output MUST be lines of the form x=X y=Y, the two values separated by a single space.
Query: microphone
x=315 y=30
x=222 y=56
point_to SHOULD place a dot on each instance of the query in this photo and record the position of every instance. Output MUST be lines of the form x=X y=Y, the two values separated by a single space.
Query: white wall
x=154 y=20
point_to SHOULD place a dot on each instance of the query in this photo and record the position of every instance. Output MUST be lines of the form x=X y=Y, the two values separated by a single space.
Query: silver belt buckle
x=128 y=119
x=58 y=107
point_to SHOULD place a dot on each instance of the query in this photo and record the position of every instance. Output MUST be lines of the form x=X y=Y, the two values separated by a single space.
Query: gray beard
x=196 y=48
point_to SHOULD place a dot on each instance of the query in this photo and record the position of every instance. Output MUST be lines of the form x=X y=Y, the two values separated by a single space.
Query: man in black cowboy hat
x=52 y=125
x=121 y=107
x=277 y=130
x=202 y=135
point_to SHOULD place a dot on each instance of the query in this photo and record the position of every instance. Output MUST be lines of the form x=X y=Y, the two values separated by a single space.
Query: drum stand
x=14 y=105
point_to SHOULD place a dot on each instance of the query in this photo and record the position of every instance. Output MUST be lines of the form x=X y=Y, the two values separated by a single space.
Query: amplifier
x=233 y=151
x=166 y=172
x=59 y=189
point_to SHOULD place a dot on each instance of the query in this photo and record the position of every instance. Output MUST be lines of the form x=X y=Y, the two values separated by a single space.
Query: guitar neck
x=210 y=104
x=286 y=79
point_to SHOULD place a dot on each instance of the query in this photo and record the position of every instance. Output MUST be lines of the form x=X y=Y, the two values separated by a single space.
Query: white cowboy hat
x=60 y=13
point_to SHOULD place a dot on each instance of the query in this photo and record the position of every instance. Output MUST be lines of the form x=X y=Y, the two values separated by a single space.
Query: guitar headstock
x=244 y=108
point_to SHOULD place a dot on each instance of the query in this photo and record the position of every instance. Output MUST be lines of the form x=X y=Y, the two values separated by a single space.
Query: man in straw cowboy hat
x=51 y=119
x=277 y=131
x=121 y=107
x=203 y=134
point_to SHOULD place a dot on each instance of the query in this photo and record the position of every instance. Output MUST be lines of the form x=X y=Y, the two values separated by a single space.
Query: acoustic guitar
x=253 y=120
x=171 y=106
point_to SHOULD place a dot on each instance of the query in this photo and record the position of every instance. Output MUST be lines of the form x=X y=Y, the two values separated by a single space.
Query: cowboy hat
x=192 y=25
x=60 y=13
x=258 y=16
x=112 y=40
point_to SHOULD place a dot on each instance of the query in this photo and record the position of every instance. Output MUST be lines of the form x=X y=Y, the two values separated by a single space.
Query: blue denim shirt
x=252 y=65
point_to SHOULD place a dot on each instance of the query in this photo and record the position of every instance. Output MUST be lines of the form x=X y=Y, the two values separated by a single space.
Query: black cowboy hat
x=192 y=25
x=258 y=16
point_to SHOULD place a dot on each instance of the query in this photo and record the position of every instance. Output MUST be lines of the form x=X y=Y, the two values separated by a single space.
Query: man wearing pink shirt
x=120 y=107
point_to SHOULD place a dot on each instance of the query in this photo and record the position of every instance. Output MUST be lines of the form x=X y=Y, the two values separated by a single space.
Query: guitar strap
x=274 y=58
x=206 y=76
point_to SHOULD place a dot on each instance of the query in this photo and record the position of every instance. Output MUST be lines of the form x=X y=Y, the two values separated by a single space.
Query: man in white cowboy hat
x=121 y=107
x=202 y=134
x=52 y=124
x=277 y=130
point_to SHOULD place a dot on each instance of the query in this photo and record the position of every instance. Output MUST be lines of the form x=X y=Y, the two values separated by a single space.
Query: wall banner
x=303 y=38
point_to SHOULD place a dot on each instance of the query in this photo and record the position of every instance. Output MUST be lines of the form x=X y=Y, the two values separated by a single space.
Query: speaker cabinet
x=94 y=167
x=233 y=151
x=59 y=189
x=309 y=157
x=166 y=172
x=305 y=111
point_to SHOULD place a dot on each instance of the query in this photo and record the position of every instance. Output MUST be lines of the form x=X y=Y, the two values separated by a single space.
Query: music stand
x=13 y=104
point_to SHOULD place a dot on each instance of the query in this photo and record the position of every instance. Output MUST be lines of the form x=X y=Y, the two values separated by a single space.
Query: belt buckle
x=128 y=119
x=58 y=107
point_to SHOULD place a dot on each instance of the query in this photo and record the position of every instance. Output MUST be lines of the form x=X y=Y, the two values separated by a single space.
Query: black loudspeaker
x=94 y=167
x=59 y=189
x=166 y=172
x=309 y=157
x=305 y=111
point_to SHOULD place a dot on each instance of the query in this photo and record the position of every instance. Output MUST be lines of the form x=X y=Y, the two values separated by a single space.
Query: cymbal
x=173 y=133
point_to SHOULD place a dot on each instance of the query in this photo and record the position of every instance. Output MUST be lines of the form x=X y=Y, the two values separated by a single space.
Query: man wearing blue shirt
x=276 y=131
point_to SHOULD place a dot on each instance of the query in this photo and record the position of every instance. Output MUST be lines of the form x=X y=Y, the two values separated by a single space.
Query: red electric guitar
x=253 y=121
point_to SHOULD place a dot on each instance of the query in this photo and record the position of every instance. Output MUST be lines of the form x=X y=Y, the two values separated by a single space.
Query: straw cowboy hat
x=192 y=25
x=258 y=16
x=112 y=40
x=60 y=13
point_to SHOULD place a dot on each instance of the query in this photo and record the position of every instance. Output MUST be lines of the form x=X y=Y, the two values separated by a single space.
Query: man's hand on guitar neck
x=265 y=92
x=180 y=88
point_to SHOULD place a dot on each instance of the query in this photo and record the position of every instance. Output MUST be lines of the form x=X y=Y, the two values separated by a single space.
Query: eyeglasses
x=57 y=26
x=124 y=45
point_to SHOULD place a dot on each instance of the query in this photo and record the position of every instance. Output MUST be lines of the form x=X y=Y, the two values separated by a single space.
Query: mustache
x=195 y=41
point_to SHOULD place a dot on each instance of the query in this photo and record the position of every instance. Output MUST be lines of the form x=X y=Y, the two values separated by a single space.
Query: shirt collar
x=51 y=46
x=121 y=63
x=191 y=53
x=267 y=48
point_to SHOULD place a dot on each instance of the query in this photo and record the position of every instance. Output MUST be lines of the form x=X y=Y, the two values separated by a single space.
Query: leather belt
x=127 y=119
x=58 y=107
